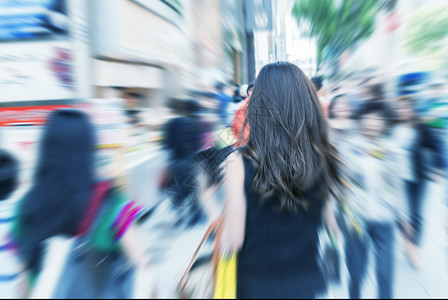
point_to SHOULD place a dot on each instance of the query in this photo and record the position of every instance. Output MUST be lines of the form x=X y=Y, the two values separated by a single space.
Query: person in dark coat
x=184 y=139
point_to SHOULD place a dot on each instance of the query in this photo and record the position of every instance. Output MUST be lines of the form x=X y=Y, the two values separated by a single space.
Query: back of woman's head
x=404 y=110
x=9 y=174
x=67 y=145
x=288 y=138
x=63 y=181
x=192 y=107
x=377 y=90
x=373 y=107
x=333 y=103
x=317 y=82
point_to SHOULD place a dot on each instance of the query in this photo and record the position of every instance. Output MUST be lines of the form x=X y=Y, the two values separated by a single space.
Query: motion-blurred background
x=152 y=55
x=134 y=64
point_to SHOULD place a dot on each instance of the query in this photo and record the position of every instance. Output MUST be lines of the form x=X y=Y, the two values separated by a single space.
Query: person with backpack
x=67 y=199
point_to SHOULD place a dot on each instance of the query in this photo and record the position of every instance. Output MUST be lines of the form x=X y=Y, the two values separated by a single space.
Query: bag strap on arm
x=99 y=193
x=211 y=228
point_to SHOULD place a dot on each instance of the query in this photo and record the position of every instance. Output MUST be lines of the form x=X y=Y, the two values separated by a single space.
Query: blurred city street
x=172 y=248
x=123 y=113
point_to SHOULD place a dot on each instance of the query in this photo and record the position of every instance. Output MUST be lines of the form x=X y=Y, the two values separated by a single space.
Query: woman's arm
x=207 y=197
x=133 y=248
x=144 y=284
x=329 y=217
x=235 y=203
x=126 y=231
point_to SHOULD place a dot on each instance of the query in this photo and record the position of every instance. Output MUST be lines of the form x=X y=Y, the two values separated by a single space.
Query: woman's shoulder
x=235 y=156
x=234 y=169
x=234 y=162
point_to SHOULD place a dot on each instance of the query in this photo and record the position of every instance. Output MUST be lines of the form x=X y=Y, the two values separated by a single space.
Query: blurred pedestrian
x=236 y=94
x=318 y=82
x=340 y=112
x=66 y=199
x=435 y=116
x=224 y=101
x=235 y=105
x=184 y=139
x=378 y=204
x=277 y=186
x=343 y=134
x=239 y=128
x=411 y=136
x=243 y=91
x=132 y=108
x=12 y=284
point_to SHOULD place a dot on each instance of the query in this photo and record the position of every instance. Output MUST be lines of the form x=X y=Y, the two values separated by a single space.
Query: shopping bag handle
x=215 y=225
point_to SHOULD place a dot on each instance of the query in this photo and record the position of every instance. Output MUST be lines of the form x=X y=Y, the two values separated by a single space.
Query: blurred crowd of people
x=71 y=194
x=390 y=142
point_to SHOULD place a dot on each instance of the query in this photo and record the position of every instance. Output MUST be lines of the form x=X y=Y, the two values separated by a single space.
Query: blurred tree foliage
x=425 y=32
x=338 y=25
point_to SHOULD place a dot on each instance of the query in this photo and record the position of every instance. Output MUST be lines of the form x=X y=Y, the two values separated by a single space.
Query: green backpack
x=101 y=235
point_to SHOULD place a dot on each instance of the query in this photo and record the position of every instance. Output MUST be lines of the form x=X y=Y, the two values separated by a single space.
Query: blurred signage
x=26 y=115
x=107 y=115
x=31 y=19
x=36 y=71
x=258 y=15
x=171 y=10
x=109 y=120
x=128 y=75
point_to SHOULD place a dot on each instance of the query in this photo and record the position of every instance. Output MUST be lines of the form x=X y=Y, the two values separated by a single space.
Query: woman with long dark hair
x=66 y=199
x=277 y=187
x=62 y=185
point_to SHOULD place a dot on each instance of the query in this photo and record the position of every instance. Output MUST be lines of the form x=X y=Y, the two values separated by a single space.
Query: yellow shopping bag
x=225 y=286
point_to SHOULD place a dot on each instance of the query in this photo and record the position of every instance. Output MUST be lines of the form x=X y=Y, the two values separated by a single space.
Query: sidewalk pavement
x=170 y=248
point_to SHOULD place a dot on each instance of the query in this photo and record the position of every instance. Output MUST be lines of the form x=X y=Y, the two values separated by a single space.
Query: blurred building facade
x=166 y=47
x=158 y=49
x=59 y=53
x=384 y=54
x=284 y=40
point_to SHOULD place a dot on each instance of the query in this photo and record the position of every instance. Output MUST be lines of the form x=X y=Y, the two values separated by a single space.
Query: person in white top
x=378 y=203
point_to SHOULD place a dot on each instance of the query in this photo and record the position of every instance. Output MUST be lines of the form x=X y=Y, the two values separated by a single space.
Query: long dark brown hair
x=62 y=186
x=288 y=141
